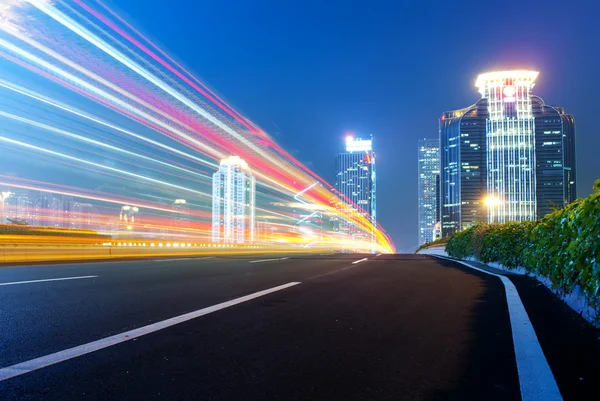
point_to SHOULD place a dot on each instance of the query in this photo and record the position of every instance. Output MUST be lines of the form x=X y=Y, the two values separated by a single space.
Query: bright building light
x=358 y=145
x=234 y=161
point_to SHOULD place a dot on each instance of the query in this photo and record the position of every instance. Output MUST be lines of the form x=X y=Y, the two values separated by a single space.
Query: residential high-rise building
x=507 y=157
x=356 y=181
x=428 y=171
x=233 y=203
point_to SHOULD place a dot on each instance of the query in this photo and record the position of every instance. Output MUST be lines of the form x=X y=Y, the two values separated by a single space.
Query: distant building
x=428 y=176
x=18 y=206
x=507 y=157
x=127 y=217
x=47 y=210
x=233 y=204
x=356 y=181
x=180 y=213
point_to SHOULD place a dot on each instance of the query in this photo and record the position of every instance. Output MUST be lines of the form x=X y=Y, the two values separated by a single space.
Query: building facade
x=356 y=182
x=428 y=186
x=233 y=203
x=508 y=157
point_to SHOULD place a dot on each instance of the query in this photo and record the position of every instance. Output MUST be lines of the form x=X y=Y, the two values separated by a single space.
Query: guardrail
x=45 y=252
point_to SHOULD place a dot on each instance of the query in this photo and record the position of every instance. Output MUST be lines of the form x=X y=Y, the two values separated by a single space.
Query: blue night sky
x=307 y=72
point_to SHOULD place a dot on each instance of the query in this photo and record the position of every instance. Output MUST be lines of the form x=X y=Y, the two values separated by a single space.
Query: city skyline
x=398 y=120
x=363 y=72
x=105 y=116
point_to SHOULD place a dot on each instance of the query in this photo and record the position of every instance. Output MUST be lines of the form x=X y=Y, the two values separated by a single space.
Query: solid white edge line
x=360 y=260
x=535 y=376
x=61 y=356
x=267 y=260
x=48 y=279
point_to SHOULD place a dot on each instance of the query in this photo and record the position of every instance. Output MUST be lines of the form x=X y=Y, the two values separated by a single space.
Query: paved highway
x=288 y=327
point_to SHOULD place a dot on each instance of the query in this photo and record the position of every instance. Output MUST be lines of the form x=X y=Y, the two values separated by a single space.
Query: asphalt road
x=391 y=327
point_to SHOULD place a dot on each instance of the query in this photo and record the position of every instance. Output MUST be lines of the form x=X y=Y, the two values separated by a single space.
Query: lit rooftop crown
x=234 y=161
x=358 y=145
x=505 y=78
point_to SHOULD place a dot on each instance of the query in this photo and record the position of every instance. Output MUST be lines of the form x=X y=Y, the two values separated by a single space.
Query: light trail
x=100 y=166
x=105 y=119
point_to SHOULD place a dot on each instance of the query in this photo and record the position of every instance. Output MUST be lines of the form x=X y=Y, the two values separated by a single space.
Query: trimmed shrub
x=437 y=242
x=17 y=229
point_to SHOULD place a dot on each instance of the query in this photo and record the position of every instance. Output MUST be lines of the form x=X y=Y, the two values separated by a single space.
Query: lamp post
x=3 y=196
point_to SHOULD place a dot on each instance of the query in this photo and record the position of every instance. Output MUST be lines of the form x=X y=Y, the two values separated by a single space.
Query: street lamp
x=492 y=203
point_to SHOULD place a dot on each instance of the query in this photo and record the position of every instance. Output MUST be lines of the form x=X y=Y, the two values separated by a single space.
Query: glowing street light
x=493 y=204
x=492 y=201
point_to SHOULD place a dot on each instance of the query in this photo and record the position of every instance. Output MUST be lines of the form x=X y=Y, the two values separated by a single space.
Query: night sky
x=308 y=72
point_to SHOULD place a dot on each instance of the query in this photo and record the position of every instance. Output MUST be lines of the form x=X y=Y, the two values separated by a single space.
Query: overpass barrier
x=46 y=252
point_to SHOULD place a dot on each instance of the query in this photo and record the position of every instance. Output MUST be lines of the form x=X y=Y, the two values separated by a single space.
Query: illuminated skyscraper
x=428 y=170
x=180 y=213
x=507 y=157
x=233 y=205
x=355 y=180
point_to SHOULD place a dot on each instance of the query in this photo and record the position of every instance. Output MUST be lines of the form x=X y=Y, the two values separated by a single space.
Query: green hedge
x=563 y=246
x=16 y=229
x=437 y=242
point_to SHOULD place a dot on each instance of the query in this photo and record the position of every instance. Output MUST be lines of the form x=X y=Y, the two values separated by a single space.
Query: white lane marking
x=61 y=356
x=360 y=260
x=267 y=260
x=48 y=279
x=379 y=254
x=175 y=259
x=535 y=376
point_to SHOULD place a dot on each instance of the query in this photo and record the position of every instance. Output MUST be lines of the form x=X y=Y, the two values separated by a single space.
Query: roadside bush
x=563 y=246
x=17 y=229
x=437 y=242
x=459 y=245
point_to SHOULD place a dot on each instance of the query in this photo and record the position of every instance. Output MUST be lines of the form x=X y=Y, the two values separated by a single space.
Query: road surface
x=282 y=327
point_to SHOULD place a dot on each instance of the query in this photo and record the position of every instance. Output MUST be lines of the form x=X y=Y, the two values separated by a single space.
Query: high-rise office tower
x=233 y=203
x=507 y=157
x=356 y=181
x=180 y=213
x=428 y=171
